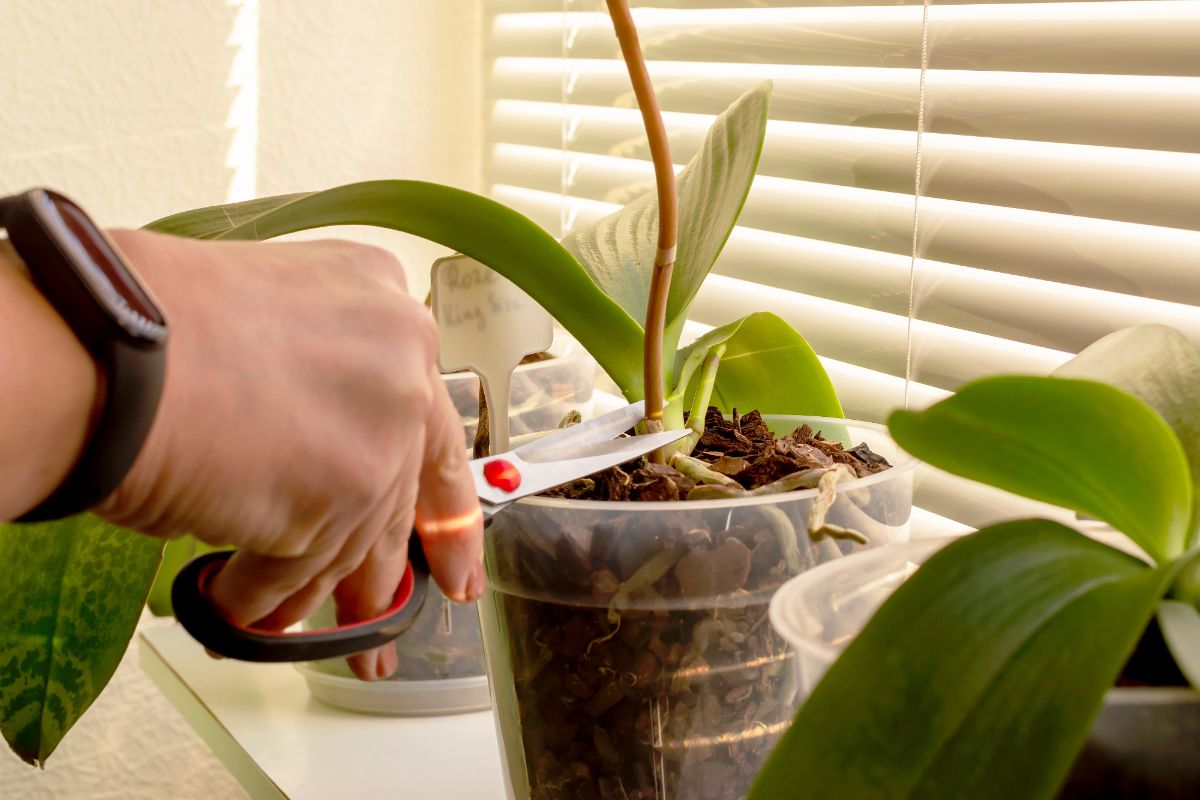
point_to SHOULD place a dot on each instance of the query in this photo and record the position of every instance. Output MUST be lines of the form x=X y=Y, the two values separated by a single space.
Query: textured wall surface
x=122 y=103
x=139 y=108
x=361 y=89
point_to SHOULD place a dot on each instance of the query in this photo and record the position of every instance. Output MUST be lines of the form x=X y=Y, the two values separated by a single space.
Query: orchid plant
x=981 y=675
x=622 y=286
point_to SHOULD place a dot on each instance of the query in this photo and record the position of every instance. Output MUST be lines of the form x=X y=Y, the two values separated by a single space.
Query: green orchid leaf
x=1161 y=366
x=176 y=555
x=1180 y=624
x=767 y=366
x=1078 y=444
x=218 y=222
x=618 y=251
x=979 y=677
x=483 y=229
x=70 y=597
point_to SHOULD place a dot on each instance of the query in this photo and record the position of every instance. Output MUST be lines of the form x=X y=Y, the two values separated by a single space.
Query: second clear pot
x=1142 y=743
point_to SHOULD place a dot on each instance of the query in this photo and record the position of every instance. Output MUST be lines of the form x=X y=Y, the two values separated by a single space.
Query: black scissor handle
x=199 y=616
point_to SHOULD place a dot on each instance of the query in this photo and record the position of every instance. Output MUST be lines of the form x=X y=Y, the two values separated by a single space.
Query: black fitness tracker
x=79 y=271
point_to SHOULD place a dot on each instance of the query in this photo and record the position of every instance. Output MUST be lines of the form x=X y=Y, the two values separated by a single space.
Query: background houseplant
x=1004 y=644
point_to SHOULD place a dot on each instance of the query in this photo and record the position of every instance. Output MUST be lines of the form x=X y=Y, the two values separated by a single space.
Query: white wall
x=361 y=89
x=140 y=108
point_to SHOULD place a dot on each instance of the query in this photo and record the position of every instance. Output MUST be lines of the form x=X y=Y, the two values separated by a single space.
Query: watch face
x=105 y=272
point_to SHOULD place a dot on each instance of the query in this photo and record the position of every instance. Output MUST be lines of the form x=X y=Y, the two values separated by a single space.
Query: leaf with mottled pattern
x=71 y=592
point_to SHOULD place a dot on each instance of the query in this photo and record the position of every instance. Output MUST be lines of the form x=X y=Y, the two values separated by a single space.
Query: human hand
x=304 y=421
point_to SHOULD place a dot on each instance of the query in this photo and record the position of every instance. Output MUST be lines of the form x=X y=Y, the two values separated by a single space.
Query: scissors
x=550 y=461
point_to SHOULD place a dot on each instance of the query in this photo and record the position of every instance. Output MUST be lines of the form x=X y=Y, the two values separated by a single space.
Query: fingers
x=367 y=592
x=365 y=567
x=447 y=511
x=272 y=593
x=250 y=586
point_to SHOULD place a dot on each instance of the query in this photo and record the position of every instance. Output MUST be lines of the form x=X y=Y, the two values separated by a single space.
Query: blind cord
x=912 y=267
x=564 y=113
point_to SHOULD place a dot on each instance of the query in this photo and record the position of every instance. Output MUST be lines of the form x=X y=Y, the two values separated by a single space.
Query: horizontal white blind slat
x=1048 y=314
x=522 y=6
x=1103 y=255
x=978 y=505
x=1149 y=112
x=1121 y=184
x=864 y=393
x=1060 y=192
x=1144 y=37
x=872 y=339
x=544 y=208
x=1098 y=254
x=1043 y=313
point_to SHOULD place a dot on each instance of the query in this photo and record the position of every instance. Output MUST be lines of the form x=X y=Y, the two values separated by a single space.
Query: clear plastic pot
x=441 y=668
x=1142 y=744
x=628 y=646
x=542 y=393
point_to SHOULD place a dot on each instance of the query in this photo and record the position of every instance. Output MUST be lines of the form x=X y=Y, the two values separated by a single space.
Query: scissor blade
x=600 y=455
x=567 y=442
x=593 y=457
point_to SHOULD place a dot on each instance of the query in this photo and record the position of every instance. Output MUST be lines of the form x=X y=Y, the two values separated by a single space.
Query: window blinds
x=948 y=189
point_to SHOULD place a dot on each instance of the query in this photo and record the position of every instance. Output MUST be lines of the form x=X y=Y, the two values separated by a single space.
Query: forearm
x=47 y=391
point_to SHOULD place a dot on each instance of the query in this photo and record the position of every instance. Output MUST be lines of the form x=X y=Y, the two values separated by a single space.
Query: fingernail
x=387 y=662
x=363 y=666
x=476 y=584
x=460 y=583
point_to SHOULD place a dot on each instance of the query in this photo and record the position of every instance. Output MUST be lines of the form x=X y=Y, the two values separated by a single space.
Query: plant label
x=487 y=325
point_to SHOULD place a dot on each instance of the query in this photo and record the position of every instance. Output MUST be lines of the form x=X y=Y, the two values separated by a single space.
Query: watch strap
x=131 y=361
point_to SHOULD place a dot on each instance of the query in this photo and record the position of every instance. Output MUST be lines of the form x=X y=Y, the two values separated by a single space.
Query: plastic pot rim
x=781 y=607
x=1151 y=696
x=905 y=464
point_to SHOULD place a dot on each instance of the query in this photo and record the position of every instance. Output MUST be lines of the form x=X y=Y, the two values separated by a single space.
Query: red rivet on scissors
x=502 y=474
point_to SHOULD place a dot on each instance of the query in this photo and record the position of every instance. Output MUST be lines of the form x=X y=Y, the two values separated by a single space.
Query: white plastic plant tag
x=487 y=325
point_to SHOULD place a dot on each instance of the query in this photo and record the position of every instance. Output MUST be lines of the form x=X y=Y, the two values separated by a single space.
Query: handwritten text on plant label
x=483 y=317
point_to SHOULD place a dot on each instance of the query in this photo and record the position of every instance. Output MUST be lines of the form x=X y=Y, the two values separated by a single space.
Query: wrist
x=53 y=381
x=134 y=504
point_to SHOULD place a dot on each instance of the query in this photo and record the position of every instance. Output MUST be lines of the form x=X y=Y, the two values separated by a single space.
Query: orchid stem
x=668 y=208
